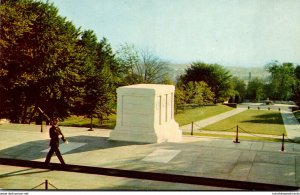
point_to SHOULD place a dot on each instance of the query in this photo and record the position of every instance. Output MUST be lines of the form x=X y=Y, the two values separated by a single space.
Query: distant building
x=249 y=77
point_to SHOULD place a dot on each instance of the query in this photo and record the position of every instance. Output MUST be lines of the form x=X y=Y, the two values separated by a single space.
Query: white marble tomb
x=145 y=113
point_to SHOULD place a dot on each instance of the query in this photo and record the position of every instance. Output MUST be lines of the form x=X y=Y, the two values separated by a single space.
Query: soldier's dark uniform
x=54 y=133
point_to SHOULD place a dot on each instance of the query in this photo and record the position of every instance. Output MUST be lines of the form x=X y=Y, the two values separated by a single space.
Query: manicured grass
x=267 y=122
x=80 y=121
x=199 y=113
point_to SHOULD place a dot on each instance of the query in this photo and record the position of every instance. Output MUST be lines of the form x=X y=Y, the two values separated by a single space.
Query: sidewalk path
x=291 y=125
x=211 y=120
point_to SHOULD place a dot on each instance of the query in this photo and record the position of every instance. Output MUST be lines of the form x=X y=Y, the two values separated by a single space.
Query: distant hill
x=245 y=72
x=241 y=72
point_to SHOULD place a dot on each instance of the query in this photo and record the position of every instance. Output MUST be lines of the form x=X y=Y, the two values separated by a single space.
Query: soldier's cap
x=54 y=118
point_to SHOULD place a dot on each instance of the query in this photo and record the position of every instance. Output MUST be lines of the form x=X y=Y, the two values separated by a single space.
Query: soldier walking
x=54 y=133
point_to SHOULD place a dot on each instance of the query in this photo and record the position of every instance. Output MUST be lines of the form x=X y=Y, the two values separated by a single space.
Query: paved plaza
x=250 y=161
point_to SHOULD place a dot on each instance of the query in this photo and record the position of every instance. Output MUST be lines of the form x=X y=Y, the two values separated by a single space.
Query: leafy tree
x=216 y=77
x=255 y=89
x=282 y=80
x=296 y=89
x=198 y=93
x=297 y=72
x=100 y=83
x=239 y=89
x=179 y=97
x=41 y=67
x=45 y=63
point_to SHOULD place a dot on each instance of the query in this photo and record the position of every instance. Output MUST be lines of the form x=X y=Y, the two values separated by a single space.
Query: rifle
x=43 y=113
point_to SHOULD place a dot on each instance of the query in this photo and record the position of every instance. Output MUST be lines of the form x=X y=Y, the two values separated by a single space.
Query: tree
x=282 y=80
x=128 y=57
x=45 y=63
x=239 y=88
x=255 y=89
x=296 y=89
x=198 y=93
x=152 y=69
x=216 y=77
x=99 y=82
x=142 y=67
x=40 y=64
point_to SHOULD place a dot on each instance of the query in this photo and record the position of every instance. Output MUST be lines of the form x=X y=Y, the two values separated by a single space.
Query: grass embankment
x=199 y=113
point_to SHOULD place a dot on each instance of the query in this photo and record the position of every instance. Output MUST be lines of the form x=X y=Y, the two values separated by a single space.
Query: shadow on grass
x=270 y=118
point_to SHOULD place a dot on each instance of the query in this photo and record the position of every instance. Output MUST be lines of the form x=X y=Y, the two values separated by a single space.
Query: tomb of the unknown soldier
x=145 y=113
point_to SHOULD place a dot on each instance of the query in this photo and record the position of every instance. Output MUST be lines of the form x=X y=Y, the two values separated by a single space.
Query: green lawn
x=199 y=113
x=252 y=121
x=80 y=121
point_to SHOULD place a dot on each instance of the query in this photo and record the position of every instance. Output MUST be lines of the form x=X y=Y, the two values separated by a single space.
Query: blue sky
x=227 y=32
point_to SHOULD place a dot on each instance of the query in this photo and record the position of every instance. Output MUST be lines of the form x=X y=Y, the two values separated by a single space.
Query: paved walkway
x=291 y=125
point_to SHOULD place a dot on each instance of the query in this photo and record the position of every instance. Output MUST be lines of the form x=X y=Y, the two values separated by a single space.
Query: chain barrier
x=46 y=185
x=38 y=186
x=218 y=130
x=250 y=133
x=52 y=185
x=284 y=139
x=244 y=131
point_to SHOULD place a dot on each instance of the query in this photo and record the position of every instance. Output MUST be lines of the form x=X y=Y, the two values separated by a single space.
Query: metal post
x=42 y=124
x=192 y=130
x=237 y=135
x=46 y=184
x=91 y=124
x=282 y=145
